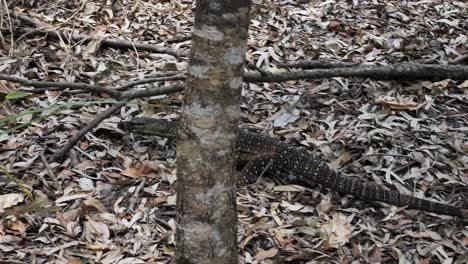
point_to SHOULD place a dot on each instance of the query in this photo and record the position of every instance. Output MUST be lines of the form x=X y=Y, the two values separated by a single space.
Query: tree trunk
x=206 y=202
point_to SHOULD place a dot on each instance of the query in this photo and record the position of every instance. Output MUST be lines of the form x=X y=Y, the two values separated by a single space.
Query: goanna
x=261 y=152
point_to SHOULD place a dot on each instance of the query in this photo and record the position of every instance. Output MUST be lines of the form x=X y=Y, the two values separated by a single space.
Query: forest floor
x=114 y=200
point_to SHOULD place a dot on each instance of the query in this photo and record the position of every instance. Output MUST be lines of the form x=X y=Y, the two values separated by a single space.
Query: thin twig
x=154 y=91
x=405 y=167
x=63 y=85
x=315 y=64
x=50 y=172
x=178 y=77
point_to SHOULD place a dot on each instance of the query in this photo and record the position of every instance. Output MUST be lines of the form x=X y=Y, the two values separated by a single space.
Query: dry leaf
x=96 y=231
x=337 y=231
x=289 y=188
x=10 y=199
x=264 y=254
x=396 y=104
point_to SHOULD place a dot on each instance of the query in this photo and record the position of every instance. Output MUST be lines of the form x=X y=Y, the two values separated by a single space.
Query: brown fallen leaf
x=264 y=254
x=74 y=261
x=393 y=103
x=134 y=173
x=140 y=170
x=158 y=200
x=325 y=205
x=93 y=202
x=16 y=228
x=97 y=247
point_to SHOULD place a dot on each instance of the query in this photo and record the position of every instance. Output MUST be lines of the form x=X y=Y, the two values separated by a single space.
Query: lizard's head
x=149 y=126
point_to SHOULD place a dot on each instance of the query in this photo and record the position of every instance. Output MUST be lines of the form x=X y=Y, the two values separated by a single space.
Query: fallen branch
x=163 y=74
x=40 y=29
x=51 y=173
x=42 y=90
x=130 y=95
x=114 y=93
x=62 y=153
x=462 y=59
x=178 y=77
x=178 y=39
x=315 y=64
x=404 y=71
x=60 y=85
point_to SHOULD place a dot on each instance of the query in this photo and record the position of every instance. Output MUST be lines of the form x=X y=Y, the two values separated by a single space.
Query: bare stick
x=460 y=59
x=42 y=86
x=50 y=172
x=154 y=91
x=61 y=85
x=315 y=64
x=177 y=77
x=136 y=194
x=62 y=153
x=404 y=71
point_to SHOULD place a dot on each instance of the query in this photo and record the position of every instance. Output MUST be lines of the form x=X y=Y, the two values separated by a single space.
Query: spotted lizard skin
x=261 y=153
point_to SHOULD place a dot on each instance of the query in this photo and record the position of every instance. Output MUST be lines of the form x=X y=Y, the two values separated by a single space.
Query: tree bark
x=206 y=202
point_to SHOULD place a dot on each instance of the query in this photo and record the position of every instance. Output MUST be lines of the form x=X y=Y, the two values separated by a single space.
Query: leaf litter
x=118 y=200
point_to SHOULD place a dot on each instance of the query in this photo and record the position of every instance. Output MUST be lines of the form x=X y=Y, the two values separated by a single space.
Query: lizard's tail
x=370 y=192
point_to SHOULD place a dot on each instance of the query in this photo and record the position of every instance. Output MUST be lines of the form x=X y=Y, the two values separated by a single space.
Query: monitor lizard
x=260 y=152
